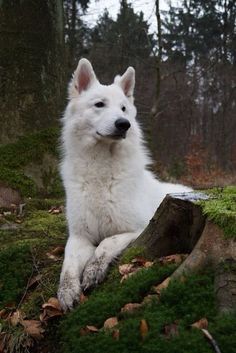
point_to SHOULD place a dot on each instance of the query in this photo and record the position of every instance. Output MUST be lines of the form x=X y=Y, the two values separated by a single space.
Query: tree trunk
x=179 y=226
x=31 y=66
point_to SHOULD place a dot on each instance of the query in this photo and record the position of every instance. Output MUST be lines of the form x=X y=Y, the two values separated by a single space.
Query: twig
x=211 y=340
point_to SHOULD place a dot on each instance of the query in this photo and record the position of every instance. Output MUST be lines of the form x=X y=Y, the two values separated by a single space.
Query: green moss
x=221 y=209
x=49 y=224
x=17 y=180
x=29 y=149
x=131 y=253
x=16 y=267
x=181 y=303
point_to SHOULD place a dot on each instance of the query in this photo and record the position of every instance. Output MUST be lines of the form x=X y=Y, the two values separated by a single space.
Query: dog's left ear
x=127 y=82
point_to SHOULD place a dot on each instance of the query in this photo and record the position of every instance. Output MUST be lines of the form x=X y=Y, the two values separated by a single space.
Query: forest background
x=185 y=70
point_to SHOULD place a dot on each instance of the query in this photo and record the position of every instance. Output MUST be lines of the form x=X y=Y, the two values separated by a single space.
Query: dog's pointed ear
x=127 y=82
x=82 y=79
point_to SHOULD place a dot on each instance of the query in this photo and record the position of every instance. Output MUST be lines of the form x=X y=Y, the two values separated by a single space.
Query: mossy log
x=179 y=226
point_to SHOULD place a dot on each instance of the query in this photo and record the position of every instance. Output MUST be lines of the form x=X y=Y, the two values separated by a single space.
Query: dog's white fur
x=111 y=196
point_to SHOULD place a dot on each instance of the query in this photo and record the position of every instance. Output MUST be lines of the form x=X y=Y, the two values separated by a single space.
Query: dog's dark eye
x=123 y=108
x=99 y=105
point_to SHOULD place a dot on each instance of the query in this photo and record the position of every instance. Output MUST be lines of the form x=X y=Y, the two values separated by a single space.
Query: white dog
x=111 y=196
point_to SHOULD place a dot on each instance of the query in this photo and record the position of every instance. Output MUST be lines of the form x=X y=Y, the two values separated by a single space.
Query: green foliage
x=221 y=208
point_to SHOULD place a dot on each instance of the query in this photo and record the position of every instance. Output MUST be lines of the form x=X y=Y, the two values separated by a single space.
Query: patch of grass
x=221 y=209
x=15 y=269
x=49 y=224
x=181 y=303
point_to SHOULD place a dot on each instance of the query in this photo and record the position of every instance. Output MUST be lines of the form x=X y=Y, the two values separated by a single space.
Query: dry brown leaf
x=201 y=324
x=88 y=329
x=33 y=328
x=130 y=307
x=83 y=298
x=110 y=323
x=139 y=260
x=34 y=281
x=3 y=314
x=116 y=334
x=58 y=251
x=162 y=285
x=53 y=257
x=16 y=317
x=143 y=328
x=173 y=259
x=148 y=264
x=51 y=309
x=171 y=330
x=125 y=269
x=52 y=303
x=91 y=328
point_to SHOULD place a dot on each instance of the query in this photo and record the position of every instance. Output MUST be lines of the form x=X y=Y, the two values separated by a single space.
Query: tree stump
x=179 y=226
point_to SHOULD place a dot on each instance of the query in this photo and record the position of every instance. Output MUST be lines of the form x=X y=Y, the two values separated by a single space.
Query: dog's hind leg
x=111 y=247
x=78 y=251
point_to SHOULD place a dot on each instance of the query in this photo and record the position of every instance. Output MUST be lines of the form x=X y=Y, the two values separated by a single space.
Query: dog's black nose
x=122 y=124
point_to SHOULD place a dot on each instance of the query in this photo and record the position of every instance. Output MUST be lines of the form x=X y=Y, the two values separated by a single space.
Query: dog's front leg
x=77 y=252
x=96 y=268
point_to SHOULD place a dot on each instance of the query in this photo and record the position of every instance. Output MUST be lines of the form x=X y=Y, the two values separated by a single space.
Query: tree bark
x=31 y=65
x=179 y=226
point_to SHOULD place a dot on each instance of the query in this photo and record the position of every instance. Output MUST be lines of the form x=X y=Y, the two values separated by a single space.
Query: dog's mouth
x=116 y=136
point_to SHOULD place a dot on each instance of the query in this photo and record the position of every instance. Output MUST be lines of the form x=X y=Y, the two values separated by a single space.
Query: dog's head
x=106 y=113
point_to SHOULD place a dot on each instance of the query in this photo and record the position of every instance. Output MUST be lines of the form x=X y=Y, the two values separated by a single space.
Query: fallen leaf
x=172 y=259
x=148 y=264
x=143 y=328
x=130 y=307
x=16 y=317
x=92 y=328
x=116 y=334
x=58 y=251
x=83 y=298
x=162 y=285
x=3 y=314
x=33 y=328
x=201 y=324
x=126 y=269
x=88 y=329
x=171 y=330
x=53 y=257
x=51 y=308
x=139 y=260
x=34 y=281
x=110 y=323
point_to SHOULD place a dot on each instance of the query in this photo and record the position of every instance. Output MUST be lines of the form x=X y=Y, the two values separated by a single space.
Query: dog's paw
x=94 y=272
x=69 y=292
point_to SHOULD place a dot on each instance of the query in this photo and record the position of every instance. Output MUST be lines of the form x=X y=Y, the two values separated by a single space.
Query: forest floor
x=142 y=317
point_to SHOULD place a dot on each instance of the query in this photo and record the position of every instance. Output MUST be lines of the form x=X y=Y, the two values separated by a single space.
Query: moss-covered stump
x=30 y=165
